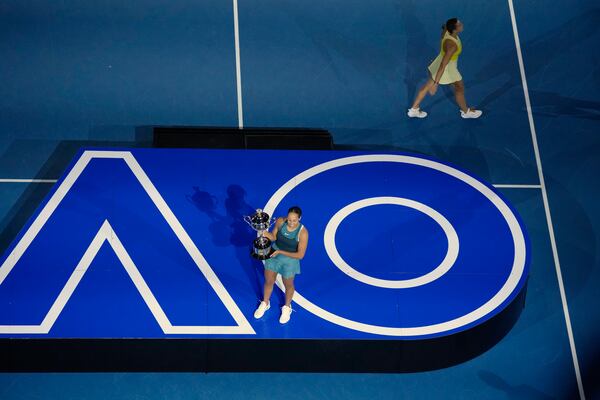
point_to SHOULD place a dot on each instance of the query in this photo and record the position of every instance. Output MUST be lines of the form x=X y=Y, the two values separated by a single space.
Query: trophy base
x=260 y=256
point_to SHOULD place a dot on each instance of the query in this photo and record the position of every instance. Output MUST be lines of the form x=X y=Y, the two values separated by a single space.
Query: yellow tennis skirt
x=450 y=74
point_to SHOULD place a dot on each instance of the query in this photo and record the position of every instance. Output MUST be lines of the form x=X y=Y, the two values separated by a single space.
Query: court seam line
x=546 y=202
x=238 y=68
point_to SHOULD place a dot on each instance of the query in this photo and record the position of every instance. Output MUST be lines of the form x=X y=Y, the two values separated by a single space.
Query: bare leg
x=422 y=93
x=459 y=95
x=289 y=290
x=269 y=282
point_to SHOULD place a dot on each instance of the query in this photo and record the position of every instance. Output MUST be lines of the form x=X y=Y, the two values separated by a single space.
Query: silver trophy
x=260 y=221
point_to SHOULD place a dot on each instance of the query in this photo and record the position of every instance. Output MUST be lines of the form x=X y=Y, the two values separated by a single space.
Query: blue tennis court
x=99 y=74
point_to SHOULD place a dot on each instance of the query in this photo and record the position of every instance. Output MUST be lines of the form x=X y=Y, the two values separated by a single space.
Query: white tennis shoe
x=262 y=308
x=470 y=113
x=286 y=313
x=416 y=113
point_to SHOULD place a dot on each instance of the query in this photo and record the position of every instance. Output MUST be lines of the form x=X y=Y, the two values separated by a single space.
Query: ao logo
x=481 y=311
x=477 y=311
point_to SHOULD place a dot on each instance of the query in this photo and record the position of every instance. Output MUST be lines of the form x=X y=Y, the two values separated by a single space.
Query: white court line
x=28 y=180
x=546 y=203
x=238 y=69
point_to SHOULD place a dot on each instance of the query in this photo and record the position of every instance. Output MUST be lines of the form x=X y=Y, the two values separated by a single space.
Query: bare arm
x=273 y=234
x=302 y=244
x=449 y=49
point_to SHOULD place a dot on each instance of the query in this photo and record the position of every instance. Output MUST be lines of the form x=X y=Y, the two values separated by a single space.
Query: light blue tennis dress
x=286 y=241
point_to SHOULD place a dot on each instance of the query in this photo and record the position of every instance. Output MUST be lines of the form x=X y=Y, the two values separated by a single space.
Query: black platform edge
x=257 y=355
x=245 y=138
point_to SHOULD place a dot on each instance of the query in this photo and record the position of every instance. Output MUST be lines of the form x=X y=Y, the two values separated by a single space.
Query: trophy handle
x=248 y=220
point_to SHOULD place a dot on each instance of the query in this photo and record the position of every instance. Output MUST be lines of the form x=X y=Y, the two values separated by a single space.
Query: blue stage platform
x=151 y=243
x=401 y=247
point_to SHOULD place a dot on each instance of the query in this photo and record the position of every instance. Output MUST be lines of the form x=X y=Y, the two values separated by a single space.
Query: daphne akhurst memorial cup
x=260 y=221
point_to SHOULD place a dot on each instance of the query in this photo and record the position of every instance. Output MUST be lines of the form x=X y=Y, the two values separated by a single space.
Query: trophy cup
x=260 y=221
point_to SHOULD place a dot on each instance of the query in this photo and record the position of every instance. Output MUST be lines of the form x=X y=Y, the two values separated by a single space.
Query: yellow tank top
x=447 y=35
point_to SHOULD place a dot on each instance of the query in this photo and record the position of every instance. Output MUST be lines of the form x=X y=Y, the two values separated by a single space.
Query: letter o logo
x=469 y=212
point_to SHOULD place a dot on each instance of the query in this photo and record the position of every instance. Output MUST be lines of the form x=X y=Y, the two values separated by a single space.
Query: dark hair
x=295 y=210
x=450 y=25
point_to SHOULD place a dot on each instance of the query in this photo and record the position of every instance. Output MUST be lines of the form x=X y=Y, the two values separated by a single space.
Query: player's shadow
x=219 y=225
x=230 y=229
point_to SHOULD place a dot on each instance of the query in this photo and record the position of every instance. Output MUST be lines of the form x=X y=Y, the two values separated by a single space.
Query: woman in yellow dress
x=444 y=71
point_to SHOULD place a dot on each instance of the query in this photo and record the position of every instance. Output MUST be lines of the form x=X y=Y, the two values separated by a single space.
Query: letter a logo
x=87 y=211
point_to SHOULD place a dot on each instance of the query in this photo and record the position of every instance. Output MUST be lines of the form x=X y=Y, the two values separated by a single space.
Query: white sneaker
x=262 y=308
x=416 y=113
x=471 y=113
x=286 y=313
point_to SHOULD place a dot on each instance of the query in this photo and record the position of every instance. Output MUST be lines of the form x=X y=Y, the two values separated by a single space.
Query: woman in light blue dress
x=290 y=239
